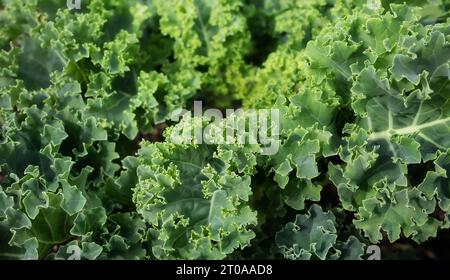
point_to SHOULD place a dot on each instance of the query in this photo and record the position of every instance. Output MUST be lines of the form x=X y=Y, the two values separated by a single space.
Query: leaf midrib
x=387 y=134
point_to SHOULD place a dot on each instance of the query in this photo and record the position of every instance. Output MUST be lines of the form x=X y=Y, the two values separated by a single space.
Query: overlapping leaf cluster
x=363 y=90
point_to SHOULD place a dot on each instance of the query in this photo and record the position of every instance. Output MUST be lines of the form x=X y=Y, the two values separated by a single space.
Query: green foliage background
x=364 y=94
